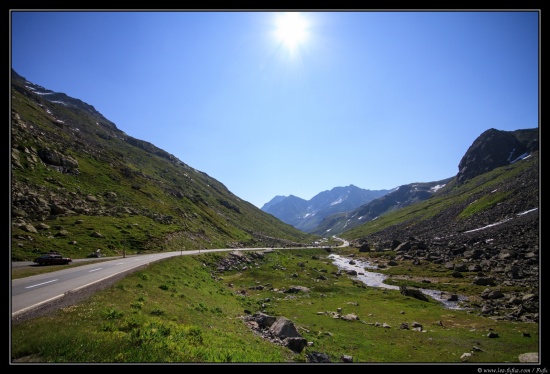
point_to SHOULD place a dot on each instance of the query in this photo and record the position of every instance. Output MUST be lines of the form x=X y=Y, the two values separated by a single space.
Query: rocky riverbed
x=359 y=269
x=502 y=251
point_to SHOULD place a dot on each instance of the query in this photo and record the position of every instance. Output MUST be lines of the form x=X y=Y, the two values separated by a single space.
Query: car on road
x=52 y=259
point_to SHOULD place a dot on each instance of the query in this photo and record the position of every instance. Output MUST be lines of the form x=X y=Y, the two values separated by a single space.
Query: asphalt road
x=31 y=292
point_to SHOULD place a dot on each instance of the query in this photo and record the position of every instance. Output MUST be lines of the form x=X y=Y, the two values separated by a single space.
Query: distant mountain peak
x=307 y=214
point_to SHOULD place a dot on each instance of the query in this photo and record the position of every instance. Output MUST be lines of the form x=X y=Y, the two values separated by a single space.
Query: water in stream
x=375 y=279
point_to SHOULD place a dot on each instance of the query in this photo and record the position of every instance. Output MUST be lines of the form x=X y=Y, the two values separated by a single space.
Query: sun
x=291 y=29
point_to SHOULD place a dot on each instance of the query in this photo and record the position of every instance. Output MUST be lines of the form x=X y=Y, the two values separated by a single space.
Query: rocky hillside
x=485 y=226
x=496 y=148
x=79 y=184
x=508 y=186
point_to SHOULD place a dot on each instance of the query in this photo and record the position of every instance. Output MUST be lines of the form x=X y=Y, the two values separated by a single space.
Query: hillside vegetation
x=492 y=197
x=79 y=184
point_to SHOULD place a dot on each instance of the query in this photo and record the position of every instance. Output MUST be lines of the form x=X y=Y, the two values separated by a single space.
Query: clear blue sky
x=373 y=99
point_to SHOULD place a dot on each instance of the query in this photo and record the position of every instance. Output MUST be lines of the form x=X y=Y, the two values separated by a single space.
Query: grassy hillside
x=486 y=199
x=79 y=184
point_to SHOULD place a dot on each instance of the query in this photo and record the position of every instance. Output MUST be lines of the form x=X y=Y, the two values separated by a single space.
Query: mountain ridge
x=305 y=215
x=490 y=150
x=400 y=197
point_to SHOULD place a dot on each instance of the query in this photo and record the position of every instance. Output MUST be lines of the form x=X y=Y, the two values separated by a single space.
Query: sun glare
x=291 y=29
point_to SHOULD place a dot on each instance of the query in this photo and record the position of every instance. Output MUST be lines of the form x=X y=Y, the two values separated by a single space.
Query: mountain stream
x=374 y=279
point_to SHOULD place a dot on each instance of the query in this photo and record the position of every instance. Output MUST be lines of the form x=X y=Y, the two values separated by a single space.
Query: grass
x=485 y=202
x=184 y=310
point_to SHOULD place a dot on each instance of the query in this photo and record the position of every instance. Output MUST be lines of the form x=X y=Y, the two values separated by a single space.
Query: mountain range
x=306 y=215
x=343 y=208
x=400 y=197
x=78 y=184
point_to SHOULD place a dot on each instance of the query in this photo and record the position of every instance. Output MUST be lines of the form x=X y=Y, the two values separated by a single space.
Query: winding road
x=34 y=291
